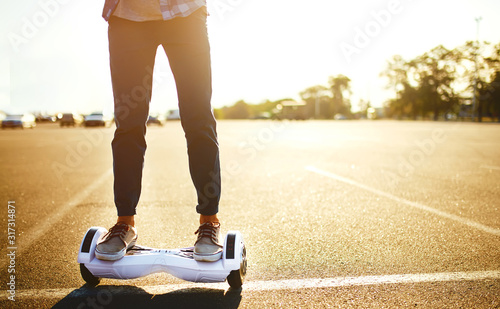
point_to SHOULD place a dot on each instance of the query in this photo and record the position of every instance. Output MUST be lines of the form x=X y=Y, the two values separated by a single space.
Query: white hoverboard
x=141 y=261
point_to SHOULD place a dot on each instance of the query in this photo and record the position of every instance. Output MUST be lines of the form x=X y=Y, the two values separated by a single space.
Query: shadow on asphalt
x=108 y=296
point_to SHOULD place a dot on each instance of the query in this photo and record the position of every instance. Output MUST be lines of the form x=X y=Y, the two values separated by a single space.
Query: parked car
x=339 y=117
x=45 y=118
x=19 y=121
x=70 y=120
x=155 y=120
x=173 y=114
x=97 y=119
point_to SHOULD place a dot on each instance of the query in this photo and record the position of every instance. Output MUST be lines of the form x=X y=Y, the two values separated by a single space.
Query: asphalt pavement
x=354 y=214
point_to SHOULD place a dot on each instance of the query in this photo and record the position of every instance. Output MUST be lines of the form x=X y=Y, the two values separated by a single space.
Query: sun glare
x=261 y=50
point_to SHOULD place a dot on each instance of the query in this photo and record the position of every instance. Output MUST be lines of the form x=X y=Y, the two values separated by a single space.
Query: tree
x=490 y=96
x=240 y=110
x=401 y=76
x=424 y=85
x=479 y=62
x=316 y=98
x=363 y=106
x=489 y=87
x=495 y=95
x=435 y=72
x=340 y=86
x=396 y=72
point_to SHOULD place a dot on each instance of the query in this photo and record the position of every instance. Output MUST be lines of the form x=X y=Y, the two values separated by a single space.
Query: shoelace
x=119 y=229
x=208 y=229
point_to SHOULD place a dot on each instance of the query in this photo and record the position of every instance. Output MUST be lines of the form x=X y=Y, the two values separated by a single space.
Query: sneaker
x=115 y=243
x=207 y=247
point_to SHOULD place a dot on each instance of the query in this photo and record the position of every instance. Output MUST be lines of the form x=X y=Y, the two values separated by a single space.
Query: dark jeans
x=132 y=47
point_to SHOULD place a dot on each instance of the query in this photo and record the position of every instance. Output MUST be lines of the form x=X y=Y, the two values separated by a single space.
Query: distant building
x=291 y=110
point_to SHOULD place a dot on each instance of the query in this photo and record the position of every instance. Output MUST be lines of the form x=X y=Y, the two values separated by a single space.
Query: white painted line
x=292 y=284
x=490 y=167
x=44 y=225
x=369 y=280
x=435 y=211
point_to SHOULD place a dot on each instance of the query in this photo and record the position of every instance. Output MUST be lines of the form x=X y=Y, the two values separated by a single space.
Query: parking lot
x=368 y=214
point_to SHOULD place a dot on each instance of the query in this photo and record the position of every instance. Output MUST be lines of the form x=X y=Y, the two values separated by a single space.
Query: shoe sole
x=207 y=257
x=114 y=256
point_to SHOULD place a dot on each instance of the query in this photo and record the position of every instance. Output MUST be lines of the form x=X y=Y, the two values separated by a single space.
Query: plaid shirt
x=168 y=8
x=179 y=8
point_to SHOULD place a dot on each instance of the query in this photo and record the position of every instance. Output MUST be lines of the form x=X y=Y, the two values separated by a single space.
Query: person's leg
x=187 y=47
x=188 y=51
x=132 y=53
x=205 y=219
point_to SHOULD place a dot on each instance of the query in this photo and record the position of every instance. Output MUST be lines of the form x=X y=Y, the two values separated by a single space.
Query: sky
x=54 y=53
